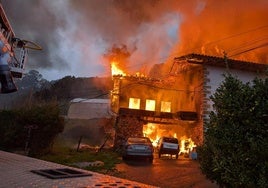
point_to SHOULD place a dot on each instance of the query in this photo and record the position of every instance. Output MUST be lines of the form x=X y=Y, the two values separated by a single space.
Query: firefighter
x=6 y=79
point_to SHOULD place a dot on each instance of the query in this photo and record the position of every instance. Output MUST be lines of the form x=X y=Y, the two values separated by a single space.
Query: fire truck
x=13 y=54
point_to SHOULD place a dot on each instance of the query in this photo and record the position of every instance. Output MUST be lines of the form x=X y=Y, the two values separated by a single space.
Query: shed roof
x=81 y=100
x=89 y=108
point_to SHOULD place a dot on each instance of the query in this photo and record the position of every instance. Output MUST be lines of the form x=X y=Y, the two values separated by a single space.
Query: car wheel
x=177 y=156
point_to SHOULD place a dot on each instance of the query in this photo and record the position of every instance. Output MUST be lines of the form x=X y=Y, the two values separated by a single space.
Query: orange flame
x=151 y=131
x=116 y=70
x=187 y=145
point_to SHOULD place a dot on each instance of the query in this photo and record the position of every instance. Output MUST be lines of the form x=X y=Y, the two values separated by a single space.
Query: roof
x=221 y=62
x=20 y=171
x=81 y=100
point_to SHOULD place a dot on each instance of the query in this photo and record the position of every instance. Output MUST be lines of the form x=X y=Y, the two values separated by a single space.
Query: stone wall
x=197 y=133
x=126 y=126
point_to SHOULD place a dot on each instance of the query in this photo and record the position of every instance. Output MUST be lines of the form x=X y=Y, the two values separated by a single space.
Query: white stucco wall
x=215 y=76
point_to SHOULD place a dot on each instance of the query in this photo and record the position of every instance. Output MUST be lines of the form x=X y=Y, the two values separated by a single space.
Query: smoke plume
x=76 y=34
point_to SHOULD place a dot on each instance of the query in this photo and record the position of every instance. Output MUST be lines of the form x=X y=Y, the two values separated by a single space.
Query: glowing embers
x=134 y=103
x=165 y=106
x=150 y=105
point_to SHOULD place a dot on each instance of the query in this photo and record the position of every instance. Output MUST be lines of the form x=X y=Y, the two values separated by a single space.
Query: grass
x=68 y=156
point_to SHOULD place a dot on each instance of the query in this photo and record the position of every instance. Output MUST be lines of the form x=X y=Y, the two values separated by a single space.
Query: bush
x=235 y=149
x=35 y=128
x=11 y=132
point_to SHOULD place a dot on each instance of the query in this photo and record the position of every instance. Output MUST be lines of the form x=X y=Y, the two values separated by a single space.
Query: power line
x=213 y=42
x=219 y=40
x=260 y=46
x=249 y=43
x=238 y=34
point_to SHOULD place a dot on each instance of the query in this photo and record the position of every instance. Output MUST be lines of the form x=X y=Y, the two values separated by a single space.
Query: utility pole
x=28 y=139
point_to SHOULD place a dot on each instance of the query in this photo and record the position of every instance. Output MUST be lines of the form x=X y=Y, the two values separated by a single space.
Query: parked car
x=138 y=147
x=168 y=145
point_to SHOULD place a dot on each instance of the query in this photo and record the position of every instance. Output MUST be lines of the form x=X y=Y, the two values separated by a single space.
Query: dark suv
x=168 y=145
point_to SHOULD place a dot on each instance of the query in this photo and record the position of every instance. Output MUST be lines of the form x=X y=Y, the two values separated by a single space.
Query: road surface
x=166 y=172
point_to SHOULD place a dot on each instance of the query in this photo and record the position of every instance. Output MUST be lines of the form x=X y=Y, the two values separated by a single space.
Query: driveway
x=166 y=172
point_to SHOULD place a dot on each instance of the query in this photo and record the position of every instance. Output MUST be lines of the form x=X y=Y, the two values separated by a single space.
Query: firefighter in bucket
x=8 y=60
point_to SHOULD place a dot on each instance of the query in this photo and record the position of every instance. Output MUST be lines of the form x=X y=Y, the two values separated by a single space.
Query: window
x=134 y=103
x=165 y=106
x=150 y=105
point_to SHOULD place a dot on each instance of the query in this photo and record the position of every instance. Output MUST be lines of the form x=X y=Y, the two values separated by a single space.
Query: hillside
x=32 y=88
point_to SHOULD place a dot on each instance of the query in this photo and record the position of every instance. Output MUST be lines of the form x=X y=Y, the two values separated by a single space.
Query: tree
x=34 y=128
x=32 y=80
x=235 y=150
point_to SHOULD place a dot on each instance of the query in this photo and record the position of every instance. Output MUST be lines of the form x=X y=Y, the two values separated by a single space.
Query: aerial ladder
x=13 y=54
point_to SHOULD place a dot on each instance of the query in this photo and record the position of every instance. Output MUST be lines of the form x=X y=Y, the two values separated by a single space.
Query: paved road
x=166 y=173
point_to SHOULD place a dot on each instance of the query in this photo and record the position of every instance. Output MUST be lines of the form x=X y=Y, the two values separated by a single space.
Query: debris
x=87 y=164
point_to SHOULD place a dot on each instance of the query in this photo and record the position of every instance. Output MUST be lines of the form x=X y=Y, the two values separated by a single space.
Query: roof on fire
x=221 y=62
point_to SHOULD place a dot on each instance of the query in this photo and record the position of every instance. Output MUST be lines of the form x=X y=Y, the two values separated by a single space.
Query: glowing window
x=134 y=103
x=150 y=105
x=165 y=106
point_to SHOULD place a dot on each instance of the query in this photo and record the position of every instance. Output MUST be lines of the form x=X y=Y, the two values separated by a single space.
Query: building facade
x=177 y=104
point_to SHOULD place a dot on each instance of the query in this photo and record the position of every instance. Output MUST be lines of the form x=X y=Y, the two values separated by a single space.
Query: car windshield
x=138 y=140
x=171 y=140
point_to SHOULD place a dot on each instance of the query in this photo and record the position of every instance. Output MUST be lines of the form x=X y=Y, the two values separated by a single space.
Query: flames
x=186 y=145
x=150 y=131
x=117 y=56
x=153 y=132
x=116 y=70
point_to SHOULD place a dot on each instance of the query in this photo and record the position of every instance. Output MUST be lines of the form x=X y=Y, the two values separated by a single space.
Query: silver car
x=138 y=147
x=168 y=145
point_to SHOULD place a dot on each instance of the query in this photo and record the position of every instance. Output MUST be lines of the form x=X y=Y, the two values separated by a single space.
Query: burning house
x=177 y=104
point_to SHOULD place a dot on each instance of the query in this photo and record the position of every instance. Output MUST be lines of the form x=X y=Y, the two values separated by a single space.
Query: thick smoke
x=230 y=26
x=161 y=30
x=75 y=34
